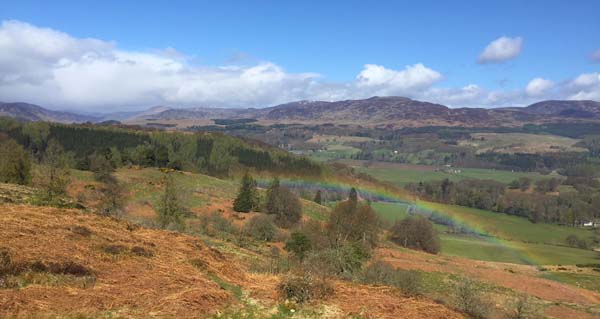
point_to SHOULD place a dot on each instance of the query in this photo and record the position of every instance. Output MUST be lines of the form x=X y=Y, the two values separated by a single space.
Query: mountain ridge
x=376 y=110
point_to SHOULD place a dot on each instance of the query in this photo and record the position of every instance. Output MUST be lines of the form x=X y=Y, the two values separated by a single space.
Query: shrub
x=522 y=308
x=305 y=288
x=215 y=224
x=381 y=273
x=81 y=230
x=261 y=227
x=469 y=299
x=416 y=233
x=298 y=244
x=574 y=241
x=141 y=251
x=115 y=249
x=342 y=261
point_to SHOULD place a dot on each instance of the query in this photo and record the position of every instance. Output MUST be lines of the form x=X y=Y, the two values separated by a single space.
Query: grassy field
x=514 y=239
x=509 y=227
x=585 y=281
x=520 y=143
x=403 y=174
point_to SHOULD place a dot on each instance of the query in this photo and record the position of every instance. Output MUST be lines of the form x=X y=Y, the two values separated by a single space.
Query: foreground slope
x=97 y=266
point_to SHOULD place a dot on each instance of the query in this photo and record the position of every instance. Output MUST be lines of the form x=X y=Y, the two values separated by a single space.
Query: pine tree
x=247 y=198
x=318 y=198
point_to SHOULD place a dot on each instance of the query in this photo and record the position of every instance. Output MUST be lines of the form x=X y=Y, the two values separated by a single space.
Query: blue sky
x=318 y=49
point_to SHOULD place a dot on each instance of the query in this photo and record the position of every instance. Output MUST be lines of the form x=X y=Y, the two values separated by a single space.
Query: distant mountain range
x=397 y=111
x=31 y=112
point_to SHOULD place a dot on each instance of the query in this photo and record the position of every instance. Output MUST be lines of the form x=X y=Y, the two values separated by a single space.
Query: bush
x=469 y=299
x=522 y=308
x=416 y=233
x=261 y=227
x=381 y=273
x=574 y=241
x=342 y=261
x=299 y=244
x=305 y=288
x=215 y=224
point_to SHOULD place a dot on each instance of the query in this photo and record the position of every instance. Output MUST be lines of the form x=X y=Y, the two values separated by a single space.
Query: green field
x=509 y=227
x=521 y=143
x=585 y=281
x=514 y=240
x=402 y=175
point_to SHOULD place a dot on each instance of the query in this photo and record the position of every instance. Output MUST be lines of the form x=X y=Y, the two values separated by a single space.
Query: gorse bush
x=416 y=233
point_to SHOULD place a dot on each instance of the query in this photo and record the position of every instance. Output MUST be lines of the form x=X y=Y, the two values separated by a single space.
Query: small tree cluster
x=284 y=204
x=15 y=165
x=353 y=221
x=260 y=227
x=416 y=233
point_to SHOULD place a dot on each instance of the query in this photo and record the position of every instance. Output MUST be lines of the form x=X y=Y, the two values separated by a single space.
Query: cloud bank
x=53 y=69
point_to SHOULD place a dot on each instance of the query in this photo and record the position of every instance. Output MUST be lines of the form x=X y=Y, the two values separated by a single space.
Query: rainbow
x=415 y=206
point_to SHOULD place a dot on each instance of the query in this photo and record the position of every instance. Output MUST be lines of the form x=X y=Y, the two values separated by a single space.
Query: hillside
x=399 y=111
x=31 y=112
x=395 y=111
x=93 y=266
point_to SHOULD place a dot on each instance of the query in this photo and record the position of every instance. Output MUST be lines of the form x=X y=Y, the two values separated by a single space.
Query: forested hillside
x=211 y=153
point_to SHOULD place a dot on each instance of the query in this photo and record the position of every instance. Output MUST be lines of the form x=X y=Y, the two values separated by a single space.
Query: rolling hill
x=399 y=111
x=31 y=112
x=391 y=110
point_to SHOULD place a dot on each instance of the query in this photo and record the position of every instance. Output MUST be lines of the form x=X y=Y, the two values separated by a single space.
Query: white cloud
x=413 y=77
x=53 y=69
x=584 y=87
x=538 y=86
x=501 y=49
x=595 y=56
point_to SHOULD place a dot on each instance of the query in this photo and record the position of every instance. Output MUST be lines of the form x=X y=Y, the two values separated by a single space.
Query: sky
x=105 y=56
